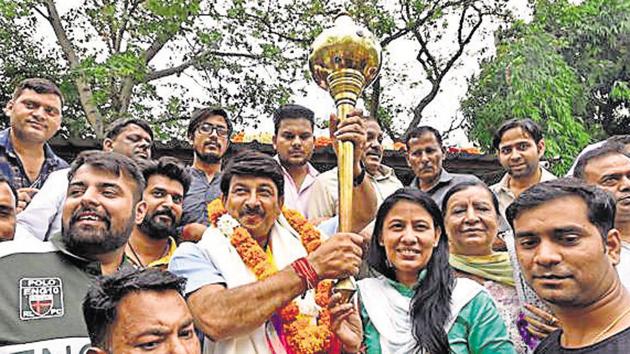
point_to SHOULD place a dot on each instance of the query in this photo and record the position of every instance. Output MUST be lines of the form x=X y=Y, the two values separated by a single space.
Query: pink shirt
x=298 y=199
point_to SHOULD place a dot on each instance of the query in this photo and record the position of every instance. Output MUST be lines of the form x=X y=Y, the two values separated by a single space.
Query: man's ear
x=8 y=107
x=108 y=145
x=95 y=350
x=281 y=201
x=273 y=142
x=141 y=211
x=612 y=246
x=541 y=148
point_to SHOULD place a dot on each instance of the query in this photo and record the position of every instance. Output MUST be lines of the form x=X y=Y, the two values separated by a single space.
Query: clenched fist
x=338 y=257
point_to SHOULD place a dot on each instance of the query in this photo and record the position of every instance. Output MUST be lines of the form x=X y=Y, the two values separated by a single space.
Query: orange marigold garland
x=302 y=335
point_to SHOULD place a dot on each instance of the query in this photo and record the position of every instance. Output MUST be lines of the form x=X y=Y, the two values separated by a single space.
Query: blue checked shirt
x=11 y=166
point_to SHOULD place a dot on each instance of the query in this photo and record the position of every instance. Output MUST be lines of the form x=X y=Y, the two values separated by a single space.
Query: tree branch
x=125 y=21
x=83 y=87
x=157 y=74
x=454 y=125
x=41 y=13
x=440 y=72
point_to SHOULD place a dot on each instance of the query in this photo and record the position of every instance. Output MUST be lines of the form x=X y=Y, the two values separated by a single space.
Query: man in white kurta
x=230 y=305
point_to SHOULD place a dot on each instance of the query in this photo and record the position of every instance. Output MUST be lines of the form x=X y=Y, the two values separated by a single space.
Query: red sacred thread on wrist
x=306 y=272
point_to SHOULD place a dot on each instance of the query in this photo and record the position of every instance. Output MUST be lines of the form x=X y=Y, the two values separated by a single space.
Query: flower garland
x=303 y=336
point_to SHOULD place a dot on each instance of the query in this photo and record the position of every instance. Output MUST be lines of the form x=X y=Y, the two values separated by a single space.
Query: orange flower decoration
x=303 y=336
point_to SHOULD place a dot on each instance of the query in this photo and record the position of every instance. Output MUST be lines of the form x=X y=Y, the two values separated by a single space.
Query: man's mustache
x=76 y=215
x=166 y=212
x=252 y=211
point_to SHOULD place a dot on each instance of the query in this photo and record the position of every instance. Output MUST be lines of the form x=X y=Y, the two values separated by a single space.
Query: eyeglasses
x=207 y=129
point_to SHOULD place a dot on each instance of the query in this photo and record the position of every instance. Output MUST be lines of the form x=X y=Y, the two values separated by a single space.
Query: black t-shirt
x=619 y=343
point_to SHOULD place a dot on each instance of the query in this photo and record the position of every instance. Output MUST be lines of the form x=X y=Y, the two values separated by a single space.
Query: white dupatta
x=286 y=248
x=388 y=310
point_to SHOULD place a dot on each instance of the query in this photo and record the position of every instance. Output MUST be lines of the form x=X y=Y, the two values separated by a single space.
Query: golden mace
x=344 y=60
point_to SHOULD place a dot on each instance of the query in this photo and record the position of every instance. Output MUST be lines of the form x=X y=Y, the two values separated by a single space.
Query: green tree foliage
x=112 y=57
x=568 y=70
x=115 y=57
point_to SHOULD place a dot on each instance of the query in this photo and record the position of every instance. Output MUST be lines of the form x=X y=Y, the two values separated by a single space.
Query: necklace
x=133 y=251
x=611 y=325
x=136 y=255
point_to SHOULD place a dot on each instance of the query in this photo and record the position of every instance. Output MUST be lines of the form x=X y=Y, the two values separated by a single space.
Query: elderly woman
x=471 y=220
x=417 y=305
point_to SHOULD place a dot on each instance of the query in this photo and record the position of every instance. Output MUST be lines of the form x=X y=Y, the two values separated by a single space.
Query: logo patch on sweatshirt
x=40 y=298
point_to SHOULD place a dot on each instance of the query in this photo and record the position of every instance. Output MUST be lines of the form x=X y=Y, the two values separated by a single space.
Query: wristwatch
x=359 y=179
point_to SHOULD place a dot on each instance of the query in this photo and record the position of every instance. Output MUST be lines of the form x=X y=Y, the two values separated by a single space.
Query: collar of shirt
x=445 y=178
x=162 y=262
x=5 y=142
x=90 y=266
x=386 y=172
x=504 y=183
x=312 y=172
x=201 y=175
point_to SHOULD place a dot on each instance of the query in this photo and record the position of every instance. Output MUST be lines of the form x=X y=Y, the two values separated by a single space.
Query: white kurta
x=286 y=248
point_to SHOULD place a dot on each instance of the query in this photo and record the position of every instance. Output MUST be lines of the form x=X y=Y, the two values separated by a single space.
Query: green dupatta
x=495 y=267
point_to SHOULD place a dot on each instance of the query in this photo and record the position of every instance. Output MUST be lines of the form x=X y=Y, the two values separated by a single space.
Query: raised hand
x=338 y=257
x=346 y=323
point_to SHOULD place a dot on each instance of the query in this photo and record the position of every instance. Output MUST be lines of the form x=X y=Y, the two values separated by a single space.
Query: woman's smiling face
x=409 y=237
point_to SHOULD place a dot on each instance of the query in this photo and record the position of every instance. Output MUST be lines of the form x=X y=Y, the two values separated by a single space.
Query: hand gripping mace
x=344 y=60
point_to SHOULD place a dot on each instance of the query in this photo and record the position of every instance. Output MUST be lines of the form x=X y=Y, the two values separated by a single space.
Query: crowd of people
x=121 y=252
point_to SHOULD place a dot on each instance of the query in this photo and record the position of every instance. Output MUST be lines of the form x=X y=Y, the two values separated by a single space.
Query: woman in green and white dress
x=417 y=305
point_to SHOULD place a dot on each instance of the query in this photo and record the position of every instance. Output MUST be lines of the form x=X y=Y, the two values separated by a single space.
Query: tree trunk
x=83 y=86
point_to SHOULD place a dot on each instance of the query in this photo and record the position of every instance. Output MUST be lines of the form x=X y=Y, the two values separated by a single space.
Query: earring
x=388 y=263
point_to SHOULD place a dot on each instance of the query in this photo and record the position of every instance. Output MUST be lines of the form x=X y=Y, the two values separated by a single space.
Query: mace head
x=345 y=46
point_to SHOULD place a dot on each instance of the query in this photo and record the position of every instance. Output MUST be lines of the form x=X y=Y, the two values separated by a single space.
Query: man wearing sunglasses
x=209 y=132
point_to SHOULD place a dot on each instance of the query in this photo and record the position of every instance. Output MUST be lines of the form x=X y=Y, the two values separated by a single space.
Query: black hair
x=417 y=132
x=5 y=179
x=255 y=164
x=111 y=162
x=292 y=111
x=199 y=115
x=39 y=85
x=527 y=125
x=429 y=306
x=465 y=185
x=602 y=151
x=100 y=304
x=116 y=127
x=167 y=166
x=600 y=204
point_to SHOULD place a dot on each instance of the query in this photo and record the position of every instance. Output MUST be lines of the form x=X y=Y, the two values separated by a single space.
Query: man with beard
x=158 y=214
x=42 y=218
x=520 y=146
x=209 y=131
x=294 y=141
x=425 y=155
x=609 y=168
x=383 y=178
x=568 y=258
x=43 y=283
